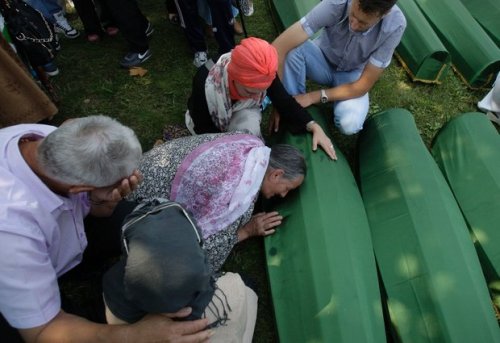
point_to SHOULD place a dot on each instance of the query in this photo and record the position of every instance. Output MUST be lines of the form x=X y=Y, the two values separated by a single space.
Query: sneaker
x=200 y=58
x=112 y=31
x=494 y=117
x=247 y=7
x=149 y=29
x=133 y=59
x=51 y=69
x=62 y=26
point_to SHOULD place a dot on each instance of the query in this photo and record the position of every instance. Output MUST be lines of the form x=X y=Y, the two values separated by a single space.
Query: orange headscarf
x=254 y=63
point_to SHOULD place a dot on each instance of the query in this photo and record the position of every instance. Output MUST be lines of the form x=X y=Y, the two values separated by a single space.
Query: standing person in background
x=222 y=23
x=127 y=16
x=134 y=27
x=348 y=57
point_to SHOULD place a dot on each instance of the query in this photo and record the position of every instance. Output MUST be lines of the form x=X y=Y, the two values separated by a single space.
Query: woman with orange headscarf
x=227 y=95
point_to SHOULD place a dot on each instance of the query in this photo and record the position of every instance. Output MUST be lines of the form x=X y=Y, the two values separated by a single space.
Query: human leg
x=305 y=61
x=222 y=22
x=106 y=18
x=88 y=15
x=247 y=119
x=188 y=16
x=189 y=21
x=349 y=115
x=131 y=22
x=171 y=8
x=54 y=13
x=47 y=7
x=133 y=26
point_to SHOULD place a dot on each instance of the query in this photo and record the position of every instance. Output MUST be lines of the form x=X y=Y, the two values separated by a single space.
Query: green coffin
x=320 y=261
x=436 y=290
x=288 y=11
x=487 y=14
x=467 y=150
x=474 y=55
x=421 y=52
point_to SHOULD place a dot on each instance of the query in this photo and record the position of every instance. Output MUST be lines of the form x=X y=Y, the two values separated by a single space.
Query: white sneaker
x=200 y=58
x=246 y=7
x=62 y=26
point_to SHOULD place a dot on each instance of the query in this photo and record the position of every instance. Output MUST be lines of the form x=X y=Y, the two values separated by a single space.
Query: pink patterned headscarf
x=218 y=181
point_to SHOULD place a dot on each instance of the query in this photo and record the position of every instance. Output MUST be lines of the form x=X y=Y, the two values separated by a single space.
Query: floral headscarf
x=218 y=181
x=217 y=94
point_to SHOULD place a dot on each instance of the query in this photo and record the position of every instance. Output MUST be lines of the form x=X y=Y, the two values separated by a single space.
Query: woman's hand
x=321 y=139
x=261 y=224
x=274 y=121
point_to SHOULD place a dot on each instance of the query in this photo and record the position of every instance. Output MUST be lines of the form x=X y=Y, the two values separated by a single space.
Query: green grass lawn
x=91 y=82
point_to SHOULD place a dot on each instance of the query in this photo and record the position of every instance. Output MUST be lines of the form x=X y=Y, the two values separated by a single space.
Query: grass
x=91 y=82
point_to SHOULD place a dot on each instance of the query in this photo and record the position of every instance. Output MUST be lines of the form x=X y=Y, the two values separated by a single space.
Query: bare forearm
x=69 y=328
x=345 y=92
x=152 y=328
x=357 y=88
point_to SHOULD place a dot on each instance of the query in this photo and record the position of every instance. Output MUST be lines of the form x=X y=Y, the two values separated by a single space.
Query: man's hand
x=321 y=139
x=152 y=328
x=103 y=200
x=274 y=121
x=117 y=192
x=261 y=224
x=161 y=328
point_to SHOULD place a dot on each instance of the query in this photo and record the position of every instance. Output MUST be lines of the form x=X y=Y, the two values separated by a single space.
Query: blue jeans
x=308 y=62
x=47 y=7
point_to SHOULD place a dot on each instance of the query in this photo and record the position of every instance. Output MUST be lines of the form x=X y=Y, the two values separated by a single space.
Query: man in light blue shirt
x=350 y=54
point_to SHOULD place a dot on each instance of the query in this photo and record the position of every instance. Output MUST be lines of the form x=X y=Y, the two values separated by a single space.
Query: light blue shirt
x=347 y=50
x=41 y=235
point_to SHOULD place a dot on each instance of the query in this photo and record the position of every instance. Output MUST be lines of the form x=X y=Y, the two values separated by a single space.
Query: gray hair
x=93 y=151
x=289 y=159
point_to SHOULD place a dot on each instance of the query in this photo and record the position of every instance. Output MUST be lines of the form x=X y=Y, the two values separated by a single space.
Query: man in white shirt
x=348 y=57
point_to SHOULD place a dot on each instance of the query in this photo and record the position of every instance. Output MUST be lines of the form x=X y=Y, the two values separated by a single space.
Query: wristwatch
x=324 y=97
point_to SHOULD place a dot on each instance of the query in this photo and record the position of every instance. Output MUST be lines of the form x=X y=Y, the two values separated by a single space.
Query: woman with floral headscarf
x=228 y=95
x=217 y=178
